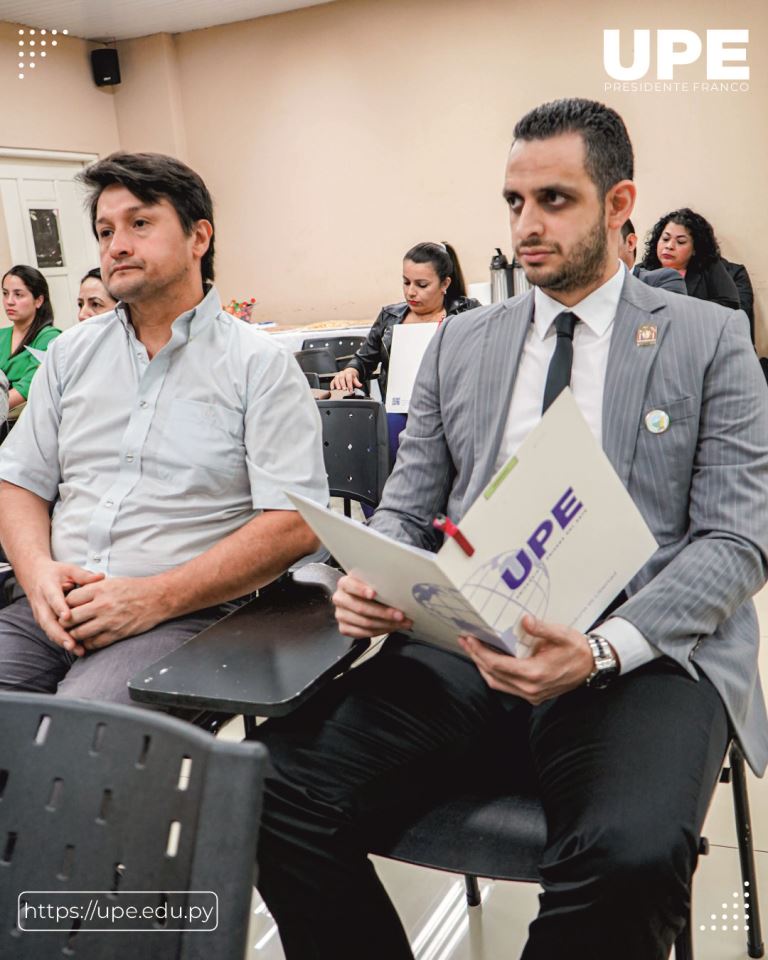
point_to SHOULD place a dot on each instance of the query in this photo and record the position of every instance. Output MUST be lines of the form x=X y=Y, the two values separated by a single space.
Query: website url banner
x=153 y=911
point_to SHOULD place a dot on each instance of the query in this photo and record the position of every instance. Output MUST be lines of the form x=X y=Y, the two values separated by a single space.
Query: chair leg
x=473 y=890
x=755 y=946
x=684 y=942
x=249 y=723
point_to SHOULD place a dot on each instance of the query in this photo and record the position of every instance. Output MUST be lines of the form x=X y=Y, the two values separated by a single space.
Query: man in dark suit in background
x=665 y=277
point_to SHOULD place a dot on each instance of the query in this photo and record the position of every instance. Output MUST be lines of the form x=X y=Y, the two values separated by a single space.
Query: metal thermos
x=501 y=277
x=520 y=282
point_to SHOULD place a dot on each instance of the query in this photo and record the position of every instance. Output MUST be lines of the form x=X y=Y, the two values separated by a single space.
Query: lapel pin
x=646 y=335
x=657 y=421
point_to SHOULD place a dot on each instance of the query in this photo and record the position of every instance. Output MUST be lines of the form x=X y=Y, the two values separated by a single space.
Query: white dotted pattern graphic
x=29 y=41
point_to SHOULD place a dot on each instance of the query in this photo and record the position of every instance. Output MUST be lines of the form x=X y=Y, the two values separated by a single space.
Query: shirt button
x=97 y=558
x=129 y=457
x=142 y=403
x=109 y=503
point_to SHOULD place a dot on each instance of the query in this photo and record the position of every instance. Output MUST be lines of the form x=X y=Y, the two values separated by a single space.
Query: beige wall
x=336 y=136
x=148 y=101
x=56 y=106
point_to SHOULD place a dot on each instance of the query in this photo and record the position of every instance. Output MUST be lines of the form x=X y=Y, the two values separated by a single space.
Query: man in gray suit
x=664 y=277
x=624 y=729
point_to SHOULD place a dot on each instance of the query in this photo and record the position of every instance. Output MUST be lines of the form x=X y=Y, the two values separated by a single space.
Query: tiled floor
x=440 y=926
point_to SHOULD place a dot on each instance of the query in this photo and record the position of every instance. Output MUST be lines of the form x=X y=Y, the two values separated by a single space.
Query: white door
x=48 y=226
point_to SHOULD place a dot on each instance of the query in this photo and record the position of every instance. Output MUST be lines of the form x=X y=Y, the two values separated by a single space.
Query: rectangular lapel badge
x=646 y=335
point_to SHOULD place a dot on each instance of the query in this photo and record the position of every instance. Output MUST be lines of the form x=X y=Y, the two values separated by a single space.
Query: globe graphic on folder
x=499 y=606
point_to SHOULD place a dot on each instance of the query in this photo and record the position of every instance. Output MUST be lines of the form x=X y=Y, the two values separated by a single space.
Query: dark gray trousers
x=30 y=661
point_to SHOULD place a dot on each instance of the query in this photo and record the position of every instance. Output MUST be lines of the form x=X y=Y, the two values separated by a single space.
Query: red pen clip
x=449 y=528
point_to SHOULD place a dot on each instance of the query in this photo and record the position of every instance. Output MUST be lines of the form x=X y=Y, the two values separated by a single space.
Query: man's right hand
x=360 y=614
x=347 y=379
x=46 y=585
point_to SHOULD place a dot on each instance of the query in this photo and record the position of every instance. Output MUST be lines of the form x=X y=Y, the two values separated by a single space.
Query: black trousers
x=625 y=774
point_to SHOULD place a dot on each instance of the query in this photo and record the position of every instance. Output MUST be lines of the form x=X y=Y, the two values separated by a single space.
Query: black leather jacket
x=377 y=347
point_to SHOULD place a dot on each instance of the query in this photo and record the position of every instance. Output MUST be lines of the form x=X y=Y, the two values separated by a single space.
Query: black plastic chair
x=502 y=837
x=355 y=449
x=312 y=379
x=319 y=361
x=342 y=348
x=133 y=807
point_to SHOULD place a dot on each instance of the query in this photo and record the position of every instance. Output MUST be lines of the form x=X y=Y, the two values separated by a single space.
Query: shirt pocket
x=203 y=435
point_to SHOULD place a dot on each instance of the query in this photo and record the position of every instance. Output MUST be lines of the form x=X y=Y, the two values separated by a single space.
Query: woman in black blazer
x=685 y=241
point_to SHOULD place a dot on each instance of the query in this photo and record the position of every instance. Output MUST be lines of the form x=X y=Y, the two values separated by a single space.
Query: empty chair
x=319 y=361
x=312 y=379
x=355 y=449
x=133 y=805
x=342 y=348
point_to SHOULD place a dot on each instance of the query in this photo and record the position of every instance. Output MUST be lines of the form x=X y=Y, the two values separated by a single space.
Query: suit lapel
x=500 y=358
x=629 y=366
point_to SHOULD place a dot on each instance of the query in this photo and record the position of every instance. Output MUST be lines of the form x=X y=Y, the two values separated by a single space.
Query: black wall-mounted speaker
x=105 y=66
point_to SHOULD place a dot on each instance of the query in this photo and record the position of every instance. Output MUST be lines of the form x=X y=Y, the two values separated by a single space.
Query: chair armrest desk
x=264 y=659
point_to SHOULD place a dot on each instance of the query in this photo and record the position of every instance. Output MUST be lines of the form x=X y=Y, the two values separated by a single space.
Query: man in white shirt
x=623 y=730
x=165 y=434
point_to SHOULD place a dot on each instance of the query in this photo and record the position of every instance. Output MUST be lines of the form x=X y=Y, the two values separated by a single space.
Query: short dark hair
x=705 y=246
x=608 y=149
x=94 y=274
x=37 y=285
x=153 y=177
x=626 y=228
x=445 y=261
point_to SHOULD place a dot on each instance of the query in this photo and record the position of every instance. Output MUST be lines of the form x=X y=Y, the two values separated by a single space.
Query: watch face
x=603 y=677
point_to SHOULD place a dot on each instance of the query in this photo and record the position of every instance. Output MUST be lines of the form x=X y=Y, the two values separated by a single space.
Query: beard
x=137 y=286
x=584 y=265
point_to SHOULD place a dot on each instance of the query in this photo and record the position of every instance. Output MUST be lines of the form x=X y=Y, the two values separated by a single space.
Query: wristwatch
x=606 y=666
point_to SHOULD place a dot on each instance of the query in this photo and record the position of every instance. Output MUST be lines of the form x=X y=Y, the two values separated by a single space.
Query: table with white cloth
x=293 y=339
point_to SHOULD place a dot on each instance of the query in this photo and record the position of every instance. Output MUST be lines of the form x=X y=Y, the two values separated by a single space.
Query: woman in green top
x=27 y=305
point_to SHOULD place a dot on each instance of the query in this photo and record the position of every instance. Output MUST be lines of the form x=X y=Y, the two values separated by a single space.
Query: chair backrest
x=103 y=797
x=355 y=448
x=342 y=348
x=312 y=379
x=318 y=360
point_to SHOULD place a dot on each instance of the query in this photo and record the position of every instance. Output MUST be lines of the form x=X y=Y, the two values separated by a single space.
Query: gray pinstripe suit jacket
x=702 y=485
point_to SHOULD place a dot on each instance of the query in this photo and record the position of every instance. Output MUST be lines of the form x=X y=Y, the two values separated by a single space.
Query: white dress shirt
x=591 y=341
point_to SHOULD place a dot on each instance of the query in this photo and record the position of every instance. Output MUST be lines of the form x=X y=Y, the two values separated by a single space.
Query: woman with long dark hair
x=433 y=285
x=27 y=304
x=685 y=241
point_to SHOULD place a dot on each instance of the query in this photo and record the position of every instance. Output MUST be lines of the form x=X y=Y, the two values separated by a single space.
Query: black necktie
x=559 y=373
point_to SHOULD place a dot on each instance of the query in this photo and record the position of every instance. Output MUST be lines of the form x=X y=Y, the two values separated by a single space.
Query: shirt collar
x=596 y=310
x=187 y=324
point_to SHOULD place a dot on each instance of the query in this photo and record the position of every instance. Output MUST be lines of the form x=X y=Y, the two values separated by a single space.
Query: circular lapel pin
x=657 y=421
